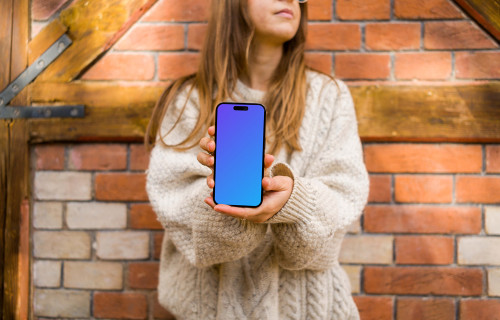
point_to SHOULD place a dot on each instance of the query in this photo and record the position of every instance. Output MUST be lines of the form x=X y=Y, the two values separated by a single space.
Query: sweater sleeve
x=328 y=198
x=176 y=186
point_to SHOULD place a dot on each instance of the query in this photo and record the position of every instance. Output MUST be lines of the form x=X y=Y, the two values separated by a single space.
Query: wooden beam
x=5 y=54
x=4 y=144
x=484 y=12
x=5 y=41
x=394 y=113
x=95 y=94
x=429 y=113
x=16 y=162
x=93 y=26
x=44 y=39
x=113 y=111
x=17 y=192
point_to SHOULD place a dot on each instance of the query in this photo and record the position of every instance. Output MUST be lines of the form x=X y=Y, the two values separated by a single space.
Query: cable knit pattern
x=217 y=267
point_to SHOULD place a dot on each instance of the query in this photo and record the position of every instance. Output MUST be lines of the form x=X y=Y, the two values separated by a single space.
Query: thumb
x=273 y=184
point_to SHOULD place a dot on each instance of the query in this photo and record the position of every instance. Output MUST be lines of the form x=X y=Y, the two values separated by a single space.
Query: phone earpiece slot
x=240 y=108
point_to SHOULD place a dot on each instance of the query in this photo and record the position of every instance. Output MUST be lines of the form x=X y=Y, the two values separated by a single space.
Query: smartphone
x=239 y=154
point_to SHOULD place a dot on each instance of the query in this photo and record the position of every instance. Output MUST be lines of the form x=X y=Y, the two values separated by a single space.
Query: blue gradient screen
x=239 y=154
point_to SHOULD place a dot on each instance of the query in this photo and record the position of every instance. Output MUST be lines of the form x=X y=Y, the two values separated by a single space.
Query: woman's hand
x=207 y=159
x=277 y=191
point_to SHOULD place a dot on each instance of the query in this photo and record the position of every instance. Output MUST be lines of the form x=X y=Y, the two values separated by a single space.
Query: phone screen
x=239 y=154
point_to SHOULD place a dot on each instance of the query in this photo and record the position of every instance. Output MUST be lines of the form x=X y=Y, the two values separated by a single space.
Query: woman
x=280 y=260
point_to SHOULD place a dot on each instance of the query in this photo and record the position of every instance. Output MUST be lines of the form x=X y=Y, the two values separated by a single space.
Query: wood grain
x=5 y=54
x=44 y=39
x=5 y=41
x=485 y=12
x=91 y=26
x=16 y=165
x=17 y=192
x=429 y=113
x=385 y=113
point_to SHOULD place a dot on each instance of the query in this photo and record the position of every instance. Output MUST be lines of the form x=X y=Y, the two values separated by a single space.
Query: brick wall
x=427 y=245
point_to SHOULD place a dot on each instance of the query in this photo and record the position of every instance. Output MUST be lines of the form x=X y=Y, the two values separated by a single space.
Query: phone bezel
x=263 y=149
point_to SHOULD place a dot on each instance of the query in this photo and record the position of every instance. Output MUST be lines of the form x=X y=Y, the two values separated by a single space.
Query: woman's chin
x=280 y=36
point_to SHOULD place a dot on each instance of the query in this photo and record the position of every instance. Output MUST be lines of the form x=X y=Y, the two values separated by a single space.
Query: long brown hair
x=224 y=59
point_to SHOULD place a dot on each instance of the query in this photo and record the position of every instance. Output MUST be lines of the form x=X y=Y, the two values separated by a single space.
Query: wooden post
x=14 y=165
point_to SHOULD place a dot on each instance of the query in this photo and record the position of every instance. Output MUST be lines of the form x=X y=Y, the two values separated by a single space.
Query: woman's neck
x=263 y=60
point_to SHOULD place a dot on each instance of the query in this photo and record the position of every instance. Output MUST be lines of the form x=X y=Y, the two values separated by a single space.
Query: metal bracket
x=26 y=77
x=77 y=111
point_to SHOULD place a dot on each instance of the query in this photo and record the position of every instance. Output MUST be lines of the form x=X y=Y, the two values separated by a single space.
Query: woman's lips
x=285 y=13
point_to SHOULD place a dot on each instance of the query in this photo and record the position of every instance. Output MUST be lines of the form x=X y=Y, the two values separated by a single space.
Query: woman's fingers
x=207 y=144
x=210 y=181
x=268 y=160
x=205 y=159
x=211 y=130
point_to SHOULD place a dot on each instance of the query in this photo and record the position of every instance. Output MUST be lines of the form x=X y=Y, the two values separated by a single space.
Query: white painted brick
x=62 y=303
x=61 y=244
x=93 y=275
x=494 y=282
x=47 y=273
x=62 y=185
x=479 y=250
x=492 y=220
x=94 y=215
x=366 y=249
x=48 y=215
x=354 y=274
x=123 y=245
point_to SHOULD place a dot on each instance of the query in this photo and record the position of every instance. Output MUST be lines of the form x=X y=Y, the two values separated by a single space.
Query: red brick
x=142 y=216
x=143 y=275
x=493 y=159
x=173 y=10
x=363 y=10
x=196 y=35
x=477 y=65
x=422 y=219
x=456 y=35
x=424 y=250
x=362 y=66
x=120 y=305
x=380 y=188
x=44 y=9
x=120 y=187
x=478 y=189
x=122 y=66
x=49 y=157
x=475 y=309
x=98 y=157
x=157 y=241
x=319 y=61
x=428 y=9
x=139 y=157
x=424 y=280
x=425 y=308
x=392 y=36
x=427 y=189
x=153 y=37
x=430 y=158
x=159 y=312
x=423 y=65
x=319 y=10
x=374 y=308
x=175 y=65
x=333 y=36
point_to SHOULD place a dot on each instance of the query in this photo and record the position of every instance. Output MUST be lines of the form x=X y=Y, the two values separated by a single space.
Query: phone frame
x=263 y=149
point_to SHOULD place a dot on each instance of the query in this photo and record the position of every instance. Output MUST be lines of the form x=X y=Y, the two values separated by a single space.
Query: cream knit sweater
x=215 y=266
